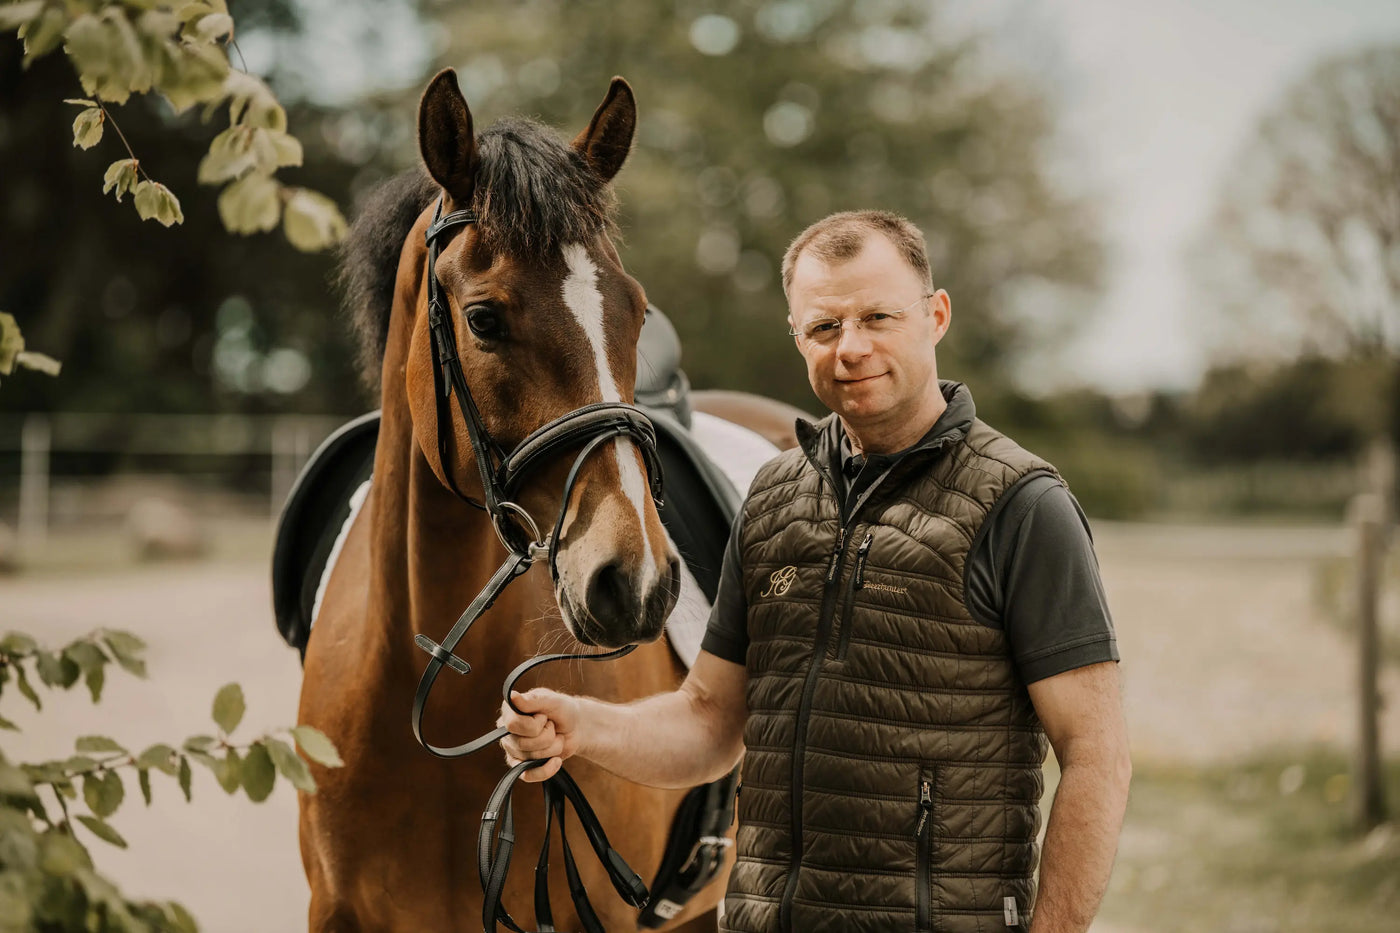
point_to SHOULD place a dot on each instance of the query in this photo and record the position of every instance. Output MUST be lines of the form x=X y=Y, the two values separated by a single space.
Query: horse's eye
x=486 y=322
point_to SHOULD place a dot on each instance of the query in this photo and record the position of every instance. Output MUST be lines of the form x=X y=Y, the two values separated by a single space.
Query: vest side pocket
x=923 y=864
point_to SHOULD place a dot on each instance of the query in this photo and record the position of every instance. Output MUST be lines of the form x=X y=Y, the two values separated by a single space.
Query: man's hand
x=550 y=731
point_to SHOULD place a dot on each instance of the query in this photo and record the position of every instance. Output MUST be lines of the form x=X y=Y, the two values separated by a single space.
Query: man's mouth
x=859 y=380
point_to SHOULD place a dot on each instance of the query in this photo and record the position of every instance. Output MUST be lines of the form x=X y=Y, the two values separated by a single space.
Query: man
x=909 y=606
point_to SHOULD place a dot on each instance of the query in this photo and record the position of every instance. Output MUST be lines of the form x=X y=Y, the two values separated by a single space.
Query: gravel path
x=1223 y=654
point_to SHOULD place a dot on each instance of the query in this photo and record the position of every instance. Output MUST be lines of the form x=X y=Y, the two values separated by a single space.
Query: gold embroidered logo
x=886 y=588
x=780 y=581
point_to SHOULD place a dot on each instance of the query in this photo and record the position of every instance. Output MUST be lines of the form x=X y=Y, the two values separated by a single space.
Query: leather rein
x=501 y=475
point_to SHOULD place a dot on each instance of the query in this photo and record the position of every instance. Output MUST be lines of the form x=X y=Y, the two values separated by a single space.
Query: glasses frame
x=856 y=320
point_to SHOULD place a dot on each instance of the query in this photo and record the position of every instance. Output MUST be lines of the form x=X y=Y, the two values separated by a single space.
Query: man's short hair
x=838 y=238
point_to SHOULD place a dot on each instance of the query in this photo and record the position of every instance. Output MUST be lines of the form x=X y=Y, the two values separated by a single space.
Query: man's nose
x=853 y=342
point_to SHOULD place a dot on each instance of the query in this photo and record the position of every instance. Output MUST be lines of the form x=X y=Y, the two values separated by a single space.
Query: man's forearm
x=1081 y=840
x=667 y=740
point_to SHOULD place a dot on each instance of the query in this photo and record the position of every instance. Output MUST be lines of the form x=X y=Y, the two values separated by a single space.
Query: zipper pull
x=863 y=550
x=925 y=805
x=835 y=555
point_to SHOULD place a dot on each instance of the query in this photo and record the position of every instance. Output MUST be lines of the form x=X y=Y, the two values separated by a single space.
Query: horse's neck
x=434 y=552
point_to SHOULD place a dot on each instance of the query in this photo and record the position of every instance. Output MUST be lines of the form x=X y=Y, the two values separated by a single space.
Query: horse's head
x=546 y=321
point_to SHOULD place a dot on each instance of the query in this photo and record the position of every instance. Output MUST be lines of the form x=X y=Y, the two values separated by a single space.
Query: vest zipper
x=857 y=581
x=804 y=708
x=923 y=869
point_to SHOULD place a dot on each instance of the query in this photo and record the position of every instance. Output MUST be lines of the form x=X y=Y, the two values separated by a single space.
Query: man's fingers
x=544 y=772
x=528 y=726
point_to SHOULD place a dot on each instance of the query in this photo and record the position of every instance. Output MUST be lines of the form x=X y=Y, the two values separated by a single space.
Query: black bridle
x=501 y=476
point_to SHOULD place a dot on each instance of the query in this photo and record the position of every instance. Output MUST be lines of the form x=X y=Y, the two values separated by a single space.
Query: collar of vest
x=820 y=440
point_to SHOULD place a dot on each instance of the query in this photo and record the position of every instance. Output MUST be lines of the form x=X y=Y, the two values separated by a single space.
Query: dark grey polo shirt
x=1033 y=574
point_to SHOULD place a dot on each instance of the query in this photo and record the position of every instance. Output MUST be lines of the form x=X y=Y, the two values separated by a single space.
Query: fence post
x=36 y=439
x=1370 y=513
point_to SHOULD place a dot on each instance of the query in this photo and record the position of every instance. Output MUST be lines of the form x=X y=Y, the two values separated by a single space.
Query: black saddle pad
x=311 y=520
x=698 y=508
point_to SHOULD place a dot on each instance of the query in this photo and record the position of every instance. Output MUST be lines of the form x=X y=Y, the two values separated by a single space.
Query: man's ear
x=608 y=139
x=445 y=136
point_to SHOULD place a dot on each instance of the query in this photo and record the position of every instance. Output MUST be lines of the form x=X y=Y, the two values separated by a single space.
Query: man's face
x=868 y=377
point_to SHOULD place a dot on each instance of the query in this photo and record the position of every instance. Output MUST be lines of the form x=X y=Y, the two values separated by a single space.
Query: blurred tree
x=1303 y=254
x=757 y=117
x=152 y=319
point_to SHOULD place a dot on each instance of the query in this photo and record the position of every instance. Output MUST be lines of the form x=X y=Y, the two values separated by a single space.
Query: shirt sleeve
x=1034 y=575
x=727 y=633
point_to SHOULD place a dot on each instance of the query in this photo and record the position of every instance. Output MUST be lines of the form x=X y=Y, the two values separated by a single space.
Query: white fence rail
x=42 y=440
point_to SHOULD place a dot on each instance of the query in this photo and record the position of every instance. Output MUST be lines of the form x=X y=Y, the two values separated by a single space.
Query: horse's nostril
x=610 y=596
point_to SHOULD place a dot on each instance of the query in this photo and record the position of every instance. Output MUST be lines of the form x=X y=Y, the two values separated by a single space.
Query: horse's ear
x=445 y=136
x=606 y=142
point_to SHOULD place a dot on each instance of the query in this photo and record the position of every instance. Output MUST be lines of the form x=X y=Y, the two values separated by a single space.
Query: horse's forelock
x=534 y=193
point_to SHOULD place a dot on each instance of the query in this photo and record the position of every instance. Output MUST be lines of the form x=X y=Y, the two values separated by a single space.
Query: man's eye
x=486 y=322
x=822 y=327
x=875 y=316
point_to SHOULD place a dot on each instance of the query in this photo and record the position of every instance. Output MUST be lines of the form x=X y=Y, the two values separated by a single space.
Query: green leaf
x=258 y=774
x=228 y=771
x=56 y=670
x=17 y=643
x=143 y=778
x=80 y=101
x=126 y=647
x=15 y=15
x=181 y=918
x=252 y=102
x=103 y=830
x=186 y=778
x=80 y=764
x=98 y=745
x=121 y=177
x=313 y=222
x=200 y=743
x=14 y=782
x=22 y=681
x=91 y=660
x=159 y=756
x=154 y=201
x=11 y=343
x=87 y=128
x=290 y=764
x=94 y=679
x=108 y=54
x=40 y=362
x=6 y=724
x=103 y=792
x=214 y=26
x=228 y=707
x=43 y=35
x=317 y=746
x=250 y=205
x=62 y=855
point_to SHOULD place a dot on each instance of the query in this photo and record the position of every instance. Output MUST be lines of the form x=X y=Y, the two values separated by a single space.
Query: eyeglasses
x=827 y=330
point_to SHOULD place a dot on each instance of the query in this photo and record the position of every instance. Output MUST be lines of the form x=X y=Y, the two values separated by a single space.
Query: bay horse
x=546 y=322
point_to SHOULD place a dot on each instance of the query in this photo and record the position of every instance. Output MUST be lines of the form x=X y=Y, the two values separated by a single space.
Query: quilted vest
x=888 y=733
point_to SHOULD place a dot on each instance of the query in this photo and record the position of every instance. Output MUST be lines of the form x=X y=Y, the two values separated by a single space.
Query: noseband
x=502 y=474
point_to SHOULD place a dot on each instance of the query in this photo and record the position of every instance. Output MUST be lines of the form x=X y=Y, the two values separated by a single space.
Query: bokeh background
x=1171 y=233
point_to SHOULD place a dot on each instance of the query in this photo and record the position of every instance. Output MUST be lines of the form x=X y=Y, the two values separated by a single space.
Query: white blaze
x=582 y=298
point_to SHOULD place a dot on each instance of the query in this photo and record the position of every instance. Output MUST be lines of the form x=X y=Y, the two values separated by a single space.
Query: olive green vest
x=897 y=723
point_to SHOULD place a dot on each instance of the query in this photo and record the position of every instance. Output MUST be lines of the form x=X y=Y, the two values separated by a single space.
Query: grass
x=1265 y=846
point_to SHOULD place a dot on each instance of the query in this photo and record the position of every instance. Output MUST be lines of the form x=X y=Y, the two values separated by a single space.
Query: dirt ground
x=1224 y=656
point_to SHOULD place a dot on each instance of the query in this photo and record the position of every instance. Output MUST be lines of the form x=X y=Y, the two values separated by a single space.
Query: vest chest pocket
x=923 y=863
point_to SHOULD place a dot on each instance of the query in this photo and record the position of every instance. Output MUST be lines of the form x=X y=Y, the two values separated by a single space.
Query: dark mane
x=533 y=195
